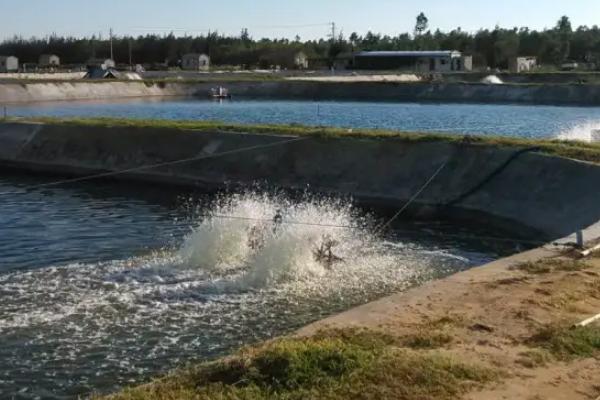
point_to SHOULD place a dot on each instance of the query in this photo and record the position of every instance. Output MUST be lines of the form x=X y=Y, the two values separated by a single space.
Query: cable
x=490 y=176
x=405 y=231
x=412 y=199
x=158 y=165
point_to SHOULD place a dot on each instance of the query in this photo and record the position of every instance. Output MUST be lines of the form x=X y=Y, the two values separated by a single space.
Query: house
x=522 y=64
x=414 y=61
x=300 y=60
x=195 y=62
x=49 y=60
x=9 y=64
x=284 y=58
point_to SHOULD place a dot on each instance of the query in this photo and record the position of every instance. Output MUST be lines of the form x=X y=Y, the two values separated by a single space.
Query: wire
x=413 y=198
x=398 y=231
x=158 y=165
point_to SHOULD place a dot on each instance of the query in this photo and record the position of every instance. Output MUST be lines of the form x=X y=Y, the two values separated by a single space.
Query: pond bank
x=507 y=180
x=559 y=94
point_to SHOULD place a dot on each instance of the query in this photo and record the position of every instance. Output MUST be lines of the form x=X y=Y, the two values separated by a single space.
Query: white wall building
x=49 y=60
x=522 y=64
x=195 y=62
x=9 y=64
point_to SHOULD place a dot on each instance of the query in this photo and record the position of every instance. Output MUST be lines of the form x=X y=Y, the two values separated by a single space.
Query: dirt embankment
x=513 y=316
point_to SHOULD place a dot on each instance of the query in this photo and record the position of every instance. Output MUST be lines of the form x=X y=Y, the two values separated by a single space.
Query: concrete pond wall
x=551 y=196
x=26 y=92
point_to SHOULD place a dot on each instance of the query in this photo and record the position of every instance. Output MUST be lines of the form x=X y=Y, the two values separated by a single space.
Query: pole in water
x=580 y=239
x=5 y=113
x=318 y=115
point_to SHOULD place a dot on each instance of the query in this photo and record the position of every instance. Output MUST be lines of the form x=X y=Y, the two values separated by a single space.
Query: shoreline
x=399 y=91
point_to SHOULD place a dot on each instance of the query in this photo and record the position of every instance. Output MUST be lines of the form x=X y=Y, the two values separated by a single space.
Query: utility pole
x=333 y=31
x=111 y=45
x=130 y=57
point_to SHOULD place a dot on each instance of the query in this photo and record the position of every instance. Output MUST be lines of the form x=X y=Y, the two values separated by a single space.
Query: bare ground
x=488 y=314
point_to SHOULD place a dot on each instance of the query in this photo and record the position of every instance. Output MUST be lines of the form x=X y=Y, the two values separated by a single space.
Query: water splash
x=584 y=132
x=492 y=80
x=271 y=239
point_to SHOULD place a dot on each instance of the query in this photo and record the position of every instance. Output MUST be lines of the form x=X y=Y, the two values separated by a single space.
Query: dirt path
x=488 y=314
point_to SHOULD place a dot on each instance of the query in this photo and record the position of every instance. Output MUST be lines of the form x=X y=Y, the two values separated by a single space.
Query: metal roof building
x=417 y=61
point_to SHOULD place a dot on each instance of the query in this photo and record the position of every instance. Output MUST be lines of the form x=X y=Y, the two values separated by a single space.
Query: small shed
x=195 y=62
x=9 y=64
x=522 y=64
x=300 y=60
x=284 y=58
x=49 y=60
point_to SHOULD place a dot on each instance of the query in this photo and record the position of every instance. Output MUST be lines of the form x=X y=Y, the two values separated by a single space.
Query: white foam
x=584 y=132
x=492 y=80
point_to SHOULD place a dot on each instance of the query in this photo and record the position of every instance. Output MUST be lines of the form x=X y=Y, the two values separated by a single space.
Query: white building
x=49 y=60
x=195 y=62
x=9 y=64
x=416 y=61
x=522 y=64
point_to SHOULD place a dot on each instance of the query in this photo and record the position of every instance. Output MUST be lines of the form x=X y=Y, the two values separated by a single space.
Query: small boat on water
x=219 y=93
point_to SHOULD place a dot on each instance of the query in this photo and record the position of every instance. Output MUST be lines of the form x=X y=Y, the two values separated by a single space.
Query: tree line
x=491 y=48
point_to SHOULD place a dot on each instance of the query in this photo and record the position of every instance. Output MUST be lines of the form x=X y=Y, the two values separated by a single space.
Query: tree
x=565 y=33
x=564 y=26
x=244 y=35
x=422 y=24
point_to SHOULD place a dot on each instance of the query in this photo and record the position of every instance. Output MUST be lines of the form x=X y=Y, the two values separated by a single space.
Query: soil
x=490 y=313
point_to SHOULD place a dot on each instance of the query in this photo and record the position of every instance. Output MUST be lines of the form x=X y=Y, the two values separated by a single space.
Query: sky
x=283 y=18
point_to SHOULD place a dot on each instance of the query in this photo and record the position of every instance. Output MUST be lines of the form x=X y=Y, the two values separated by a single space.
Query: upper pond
x=512 y=120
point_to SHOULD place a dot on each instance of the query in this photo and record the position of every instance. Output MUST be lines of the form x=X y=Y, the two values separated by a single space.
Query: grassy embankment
x=452 y=353
x=571 y=149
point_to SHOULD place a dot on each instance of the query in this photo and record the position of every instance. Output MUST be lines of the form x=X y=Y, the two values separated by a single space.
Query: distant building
x=414 y=61
x=49 y=60
x=9 y=64
x=195 y=62
x=522 y=64
x=284 y=58
x=300 y=60
x=103 y=63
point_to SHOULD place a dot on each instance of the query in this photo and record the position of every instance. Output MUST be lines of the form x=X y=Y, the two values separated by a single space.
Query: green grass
x=570 y=149
x=333 y=365
x=567 y=343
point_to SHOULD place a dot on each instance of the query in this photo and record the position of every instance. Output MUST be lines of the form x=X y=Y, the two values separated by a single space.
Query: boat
x=219 y=93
